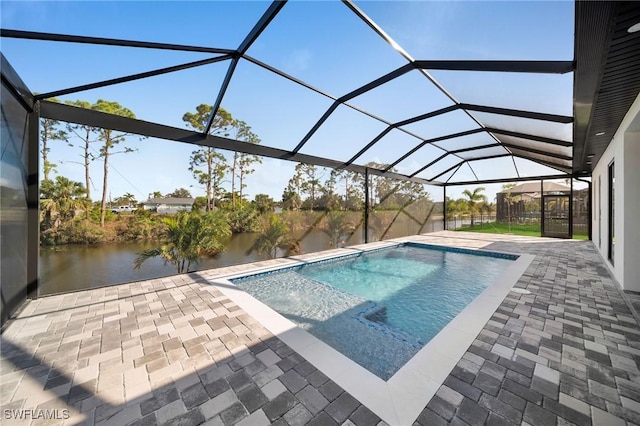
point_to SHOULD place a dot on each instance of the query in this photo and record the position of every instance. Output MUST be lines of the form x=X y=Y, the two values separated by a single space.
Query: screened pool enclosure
x=350 y=100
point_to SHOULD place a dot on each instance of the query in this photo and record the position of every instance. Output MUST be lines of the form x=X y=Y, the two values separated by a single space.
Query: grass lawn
x=516 y=229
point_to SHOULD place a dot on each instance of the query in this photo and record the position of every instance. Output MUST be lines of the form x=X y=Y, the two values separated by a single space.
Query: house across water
x=169 y=205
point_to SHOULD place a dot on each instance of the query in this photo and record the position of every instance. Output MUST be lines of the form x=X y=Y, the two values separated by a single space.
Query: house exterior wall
x=173 y=208
x=624 y=151
x=167 y=208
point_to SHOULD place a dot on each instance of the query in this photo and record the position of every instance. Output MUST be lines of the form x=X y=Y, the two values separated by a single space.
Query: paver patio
x=176 y=351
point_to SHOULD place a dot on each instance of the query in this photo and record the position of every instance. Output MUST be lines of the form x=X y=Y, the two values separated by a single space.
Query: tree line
x=331 y=200
x=472 y=203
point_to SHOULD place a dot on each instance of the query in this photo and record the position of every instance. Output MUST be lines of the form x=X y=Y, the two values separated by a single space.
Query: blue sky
x=322 y=43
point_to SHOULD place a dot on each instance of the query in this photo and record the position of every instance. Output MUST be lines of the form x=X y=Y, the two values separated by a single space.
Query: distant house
x=522 y=202
x=169 y=205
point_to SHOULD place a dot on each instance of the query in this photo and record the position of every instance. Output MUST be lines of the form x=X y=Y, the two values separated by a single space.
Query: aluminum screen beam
x=470 y=107
x=558 y=67
x=457 y=151
x=487 y=157
x=359 y=91
x=14 y=83
x=559 y=167
x=421 y=169
x=518 y=179
x=515 y=166
x=555 y=118
x=93 y=118
x=529 y=136
x=537 y=151
x=32 y=35
x=454 y=173
x=223 y=89
x=287 y=76
x=470 y=168
x=260 y=26
x=315 y=89
x=455 y=166
x=255 y=32
x=535 y=67
x=323 y=93
x=375 y=27
x=433 y=140
x=401 y=123
x=132 y=77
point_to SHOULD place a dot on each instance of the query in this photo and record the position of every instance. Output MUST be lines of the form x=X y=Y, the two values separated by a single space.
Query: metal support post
x=571 y=209
x=590 y=215
x=444 y=207
x=541 y=207
x=33 y=199
x=366 y=205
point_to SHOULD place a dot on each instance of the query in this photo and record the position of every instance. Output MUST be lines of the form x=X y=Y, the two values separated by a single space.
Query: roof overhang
x=606 y=79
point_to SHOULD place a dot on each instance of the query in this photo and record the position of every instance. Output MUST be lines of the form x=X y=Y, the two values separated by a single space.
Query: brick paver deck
x=176 y=351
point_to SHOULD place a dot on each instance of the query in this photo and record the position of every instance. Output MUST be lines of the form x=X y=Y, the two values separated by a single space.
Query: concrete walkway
x=176 y=351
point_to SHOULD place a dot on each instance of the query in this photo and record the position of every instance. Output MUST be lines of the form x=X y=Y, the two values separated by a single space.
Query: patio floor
x=177 y=351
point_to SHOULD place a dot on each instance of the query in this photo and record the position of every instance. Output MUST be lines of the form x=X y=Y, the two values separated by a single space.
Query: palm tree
x=509 y=199
x=59 y=201
x=337 y=225
x=190 y=237
x=473 y=198
x=272 y=237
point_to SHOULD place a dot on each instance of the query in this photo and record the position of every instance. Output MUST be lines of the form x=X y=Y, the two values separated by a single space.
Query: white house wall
x=624 y=150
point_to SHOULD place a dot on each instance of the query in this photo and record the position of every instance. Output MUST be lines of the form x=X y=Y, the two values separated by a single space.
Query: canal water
x=77 y=267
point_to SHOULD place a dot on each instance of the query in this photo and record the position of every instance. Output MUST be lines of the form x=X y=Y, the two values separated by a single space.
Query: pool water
x=381 y=307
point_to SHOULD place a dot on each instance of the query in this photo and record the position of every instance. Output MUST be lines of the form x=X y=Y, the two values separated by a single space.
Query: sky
x=322 y=43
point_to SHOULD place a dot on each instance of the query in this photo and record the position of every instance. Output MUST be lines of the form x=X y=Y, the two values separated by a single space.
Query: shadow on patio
x=176 y=351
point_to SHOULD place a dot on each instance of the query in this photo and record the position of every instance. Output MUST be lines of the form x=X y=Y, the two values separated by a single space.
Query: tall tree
x=215 y=165
x=380 y=188
x=351 y=183
x=310 y=181
x=290 y=199
x=177 y=193
x=241 y=165
x=87 y=135
x=292 y=195
x=110 y=139
x=50 y=131
x=330 y=200
x=473 y=198
x=206 y=164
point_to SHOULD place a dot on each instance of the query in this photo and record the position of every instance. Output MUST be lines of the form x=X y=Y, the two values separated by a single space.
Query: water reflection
x=77 y=267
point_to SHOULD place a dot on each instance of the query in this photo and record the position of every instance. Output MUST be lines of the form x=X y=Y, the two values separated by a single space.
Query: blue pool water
x=379 y=308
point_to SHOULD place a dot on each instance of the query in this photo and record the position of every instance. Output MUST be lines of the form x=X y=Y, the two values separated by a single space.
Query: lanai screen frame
x=40 y=107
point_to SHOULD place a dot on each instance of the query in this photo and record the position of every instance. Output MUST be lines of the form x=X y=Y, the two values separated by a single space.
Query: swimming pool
x=379 y=308
x=400 y=399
